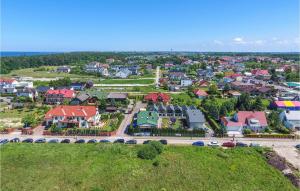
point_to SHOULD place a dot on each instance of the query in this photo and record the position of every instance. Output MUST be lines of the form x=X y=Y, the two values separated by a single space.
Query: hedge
x=170 y=132
x=283 y=136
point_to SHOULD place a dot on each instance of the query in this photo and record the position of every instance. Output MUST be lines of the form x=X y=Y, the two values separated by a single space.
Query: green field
x=36 y=73
x=116 y=167
x=127 y=81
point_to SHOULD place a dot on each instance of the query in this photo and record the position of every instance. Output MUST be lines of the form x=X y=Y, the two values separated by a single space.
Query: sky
x=150 y=25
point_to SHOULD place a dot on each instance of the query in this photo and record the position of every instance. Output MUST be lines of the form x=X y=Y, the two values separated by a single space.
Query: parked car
x=240 y=144
x=131 y=142
x=92 y=141
x=104 y=141
x=53 y=141
x=254 y=145
x=119 y=141
x=297 y=146
x=65 y=141
x=228 y=144
x=41 y=140
x=198 y=143
x=146 y=142
x=15 y=140
x=28 y=140
x=3 y=141
x=80 y=141
x=213 y=144
x=163 y=141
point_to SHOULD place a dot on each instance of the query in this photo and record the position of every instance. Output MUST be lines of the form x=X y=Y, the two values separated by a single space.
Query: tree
x=214 y=111
x=223 y=111
x=226 y=87
x=147 y=152
x=243 y=102
x=29 y=120
x=55 y=129
x=213 y=89
x=258 y=104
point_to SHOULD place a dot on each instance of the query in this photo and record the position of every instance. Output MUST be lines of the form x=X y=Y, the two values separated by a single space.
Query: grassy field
x=95 y=167
x=35 y=73
x=127 y=81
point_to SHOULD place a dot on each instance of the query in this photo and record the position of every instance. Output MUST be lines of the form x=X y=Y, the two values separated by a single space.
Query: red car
x=228 y=144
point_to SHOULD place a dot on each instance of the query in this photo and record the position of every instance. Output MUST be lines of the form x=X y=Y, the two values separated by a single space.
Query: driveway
x=128 y=118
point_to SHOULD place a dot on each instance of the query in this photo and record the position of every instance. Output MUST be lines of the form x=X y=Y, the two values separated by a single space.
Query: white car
x=213 y=144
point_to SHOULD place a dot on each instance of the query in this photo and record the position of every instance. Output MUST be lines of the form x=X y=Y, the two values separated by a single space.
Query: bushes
x=147 y=152
x=150 y=151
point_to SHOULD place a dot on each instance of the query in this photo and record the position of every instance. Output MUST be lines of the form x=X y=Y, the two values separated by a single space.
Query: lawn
x=166 y=123
x=127 y=81
x=36 y=73
x=16 y=113
x=116 y=167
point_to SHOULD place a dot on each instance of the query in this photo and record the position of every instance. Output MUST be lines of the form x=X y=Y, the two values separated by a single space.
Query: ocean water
x=11 y=53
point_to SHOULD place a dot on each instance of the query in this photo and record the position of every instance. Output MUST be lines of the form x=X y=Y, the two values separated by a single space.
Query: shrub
x=155 y=163
x=222 y=155
x=157 y=145
x=147 y=152
x=246 y=131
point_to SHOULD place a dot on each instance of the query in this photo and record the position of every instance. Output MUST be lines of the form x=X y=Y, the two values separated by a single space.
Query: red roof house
x=254 y=120
x=261 y=73
x=69 y=116
x=157 y=97
x=200 y=93
x=58 y=96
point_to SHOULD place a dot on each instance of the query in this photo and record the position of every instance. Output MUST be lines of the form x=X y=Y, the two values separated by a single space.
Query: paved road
x=157 y=76
x=128 y=118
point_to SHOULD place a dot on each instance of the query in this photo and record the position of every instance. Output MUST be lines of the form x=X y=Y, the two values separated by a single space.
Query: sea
x=12 y=53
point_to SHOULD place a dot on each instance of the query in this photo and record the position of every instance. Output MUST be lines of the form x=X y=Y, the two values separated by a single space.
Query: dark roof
x=82 y=97
x=42 y=89
x=195 y=116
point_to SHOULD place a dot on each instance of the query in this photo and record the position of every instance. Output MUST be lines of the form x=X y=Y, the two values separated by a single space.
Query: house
x=95 y=96
x=286 y=105
x=201 y=94
x=27 y=92
x=78 y=86
x=66 y=116
x=254 y=120
x=8 y=85
x=117 y=96
x=110 y=60
x=59 y=96
x=123 y=73
x=234 y=94
x=157 y=97
x=147 y=119
x=261 y=74
x=290 y=119
x=42 y=89
x=80 y=99
x=204 y=83
x=97 y=67
x=184 y=82
x=64 y=69
x=176 y=76
x=195 y=119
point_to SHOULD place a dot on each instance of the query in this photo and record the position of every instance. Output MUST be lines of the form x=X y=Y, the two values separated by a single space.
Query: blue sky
x=150 y=25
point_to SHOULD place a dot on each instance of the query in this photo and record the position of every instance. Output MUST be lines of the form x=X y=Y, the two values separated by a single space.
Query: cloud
x=239 y=40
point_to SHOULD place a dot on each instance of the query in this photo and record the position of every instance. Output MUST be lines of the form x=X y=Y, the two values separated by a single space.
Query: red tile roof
x=156 y=97
x=200 y=92
x=244 y=116
x=67 y=93
x=72 y=111
x=7 y=80
x=258 y=72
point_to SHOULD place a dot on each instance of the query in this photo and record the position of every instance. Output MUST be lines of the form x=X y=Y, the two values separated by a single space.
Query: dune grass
x=116 y=167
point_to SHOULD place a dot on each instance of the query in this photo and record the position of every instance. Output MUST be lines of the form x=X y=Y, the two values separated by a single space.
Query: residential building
x=287 y=105
x=66 y=116
x=64 y=69
x=157 y=97
x=195 y=119
x=254 y=120
x=261 y=74
x=59 y=96
x=147 y=119
x=27 y=92
x=123 y=73
x=291 y=119
x=184 y=82
x=201 y=94
x=78 y=86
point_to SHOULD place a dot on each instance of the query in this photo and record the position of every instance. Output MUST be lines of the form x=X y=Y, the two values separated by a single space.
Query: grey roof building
x=195 y=119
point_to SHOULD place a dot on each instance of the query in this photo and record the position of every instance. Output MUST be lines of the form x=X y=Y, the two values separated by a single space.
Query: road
x=157 y=76
x=128 y=118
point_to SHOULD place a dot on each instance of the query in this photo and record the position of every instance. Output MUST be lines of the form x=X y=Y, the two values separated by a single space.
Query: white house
x=124 y=73
x=186 y=82
x=291 y=119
